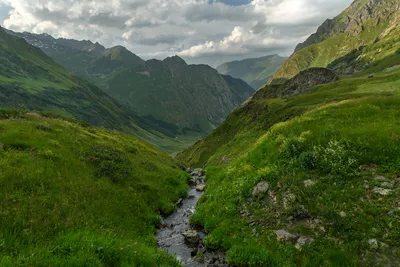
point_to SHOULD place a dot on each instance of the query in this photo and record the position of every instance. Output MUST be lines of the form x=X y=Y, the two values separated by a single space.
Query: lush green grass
x=327 y=145
x=75 y=195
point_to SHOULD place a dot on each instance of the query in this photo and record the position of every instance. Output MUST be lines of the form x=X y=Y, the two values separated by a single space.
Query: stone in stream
x=192 y=237
x=200 y=188
x=196 y=173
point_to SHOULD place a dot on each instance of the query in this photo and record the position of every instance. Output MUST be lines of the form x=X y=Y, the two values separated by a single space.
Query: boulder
x=382 y=191
x=285 y=237
x=373 y=244
x=303 y=241
x=200 y=188
x=260 y=188
x=192 y=237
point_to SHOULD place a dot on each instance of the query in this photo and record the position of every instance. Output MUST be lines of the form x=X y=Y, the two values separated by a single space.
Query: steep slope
x=76 y=195
x=187 y=100
x=191 y=97
x=343 y=40
x=255 y=71
x=304 y=178
x=31 y=80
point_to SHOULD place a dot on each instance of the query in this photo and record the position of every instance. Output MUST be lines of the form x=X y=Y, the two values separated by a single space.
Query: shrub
x=110 y=163
x=308 y=160
x=293 y=147
x=337 y=159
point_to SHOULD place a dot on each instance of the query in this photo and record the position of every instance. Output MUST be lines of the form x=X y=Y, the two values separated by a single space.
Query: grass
x=76 y=195
x=327 y=145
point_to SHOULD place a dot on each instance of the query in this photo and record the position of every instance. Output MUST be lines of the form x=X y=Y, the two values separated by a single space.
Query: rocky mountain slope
x=341 y=43
x=306 y=172
x=183 y=98
x=31 y=80
x=255 y=71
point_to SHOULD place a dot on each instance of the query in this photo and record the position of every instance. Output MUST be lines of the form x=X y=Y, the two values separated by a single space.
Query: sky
x=201 y=31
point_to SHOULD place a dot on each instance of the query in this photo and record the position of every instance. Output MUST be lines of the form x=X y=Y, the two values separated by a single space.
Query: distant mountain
x=31 y=80
x=193 y=98
x=255 y=71
x=340 y=43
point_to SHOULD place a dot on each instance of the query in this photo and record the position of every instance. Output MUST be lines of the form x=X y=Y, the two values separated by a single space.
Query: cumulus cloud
x=195 y=29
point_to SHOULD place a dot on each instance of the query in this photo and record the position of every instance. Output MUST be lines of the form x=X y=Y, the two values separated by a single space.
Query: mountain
x=305 y=173
x=31 y=80
x=255 y=71
x=78 y=195
x=341 y=43
x=186 y=99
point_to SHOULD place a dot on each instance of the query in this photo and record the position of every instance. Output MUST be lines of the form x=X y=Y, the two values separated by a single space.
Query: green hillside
x=306 y=172
x=363 y=34
x=189 y=101
x=255 y=71
x=76 y=195
x=31 y=80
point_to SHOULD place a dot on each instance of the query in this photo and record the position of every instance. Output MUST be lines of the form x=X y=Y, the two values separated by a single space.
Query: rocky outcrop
x=298 y=84
x=351 y=21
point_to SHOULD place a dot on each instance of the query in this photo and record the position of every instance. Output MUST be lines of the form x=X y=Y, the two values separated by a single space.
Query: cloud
x=195 y=29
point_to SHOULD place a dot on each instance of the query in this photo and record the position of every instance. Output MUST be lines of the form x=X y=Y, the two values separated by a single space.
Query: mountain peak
x=175 y=60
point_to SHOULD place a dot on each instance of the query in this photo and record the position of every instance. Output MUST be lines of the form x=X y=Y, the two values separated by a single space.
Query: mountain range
x=184 y=98
x=255 y=71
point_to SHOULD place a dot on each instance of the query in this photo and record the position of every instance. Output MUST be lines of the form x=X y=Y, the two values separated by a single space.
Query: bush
x=336 y=159
x=308 y=160
x=110 y=163
x=293 y=147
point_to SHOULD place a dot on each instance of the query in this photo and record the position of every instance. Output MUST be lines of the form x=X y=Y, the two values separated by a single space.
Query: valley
x=108 y=159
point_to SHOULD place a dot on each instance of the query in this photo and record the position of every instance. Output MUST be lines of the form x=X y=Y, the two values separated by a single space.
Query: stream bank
x=177 y=237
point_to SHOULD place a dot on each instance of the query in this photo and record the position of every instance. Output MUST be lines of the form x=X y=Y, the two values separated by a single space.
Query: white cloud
x=190 y=28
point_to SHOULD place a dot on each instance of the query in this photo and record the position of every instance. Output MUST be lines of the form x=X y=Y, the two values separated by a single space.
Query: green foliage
x=110 y=163
x=57 y=212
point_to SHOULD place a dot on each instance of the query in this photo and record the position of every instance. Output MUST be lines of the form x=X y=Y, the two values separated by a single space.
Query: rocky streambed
x=177 y=237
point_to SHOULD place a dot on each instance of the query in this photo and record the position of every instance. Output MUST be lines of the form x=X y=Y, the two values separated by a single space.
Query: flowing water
x=171 y=239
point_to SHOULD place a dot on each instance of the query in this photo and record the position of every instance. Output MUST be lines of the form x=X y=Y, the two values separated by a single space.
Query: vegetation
x=76 y=195
x=255 y=71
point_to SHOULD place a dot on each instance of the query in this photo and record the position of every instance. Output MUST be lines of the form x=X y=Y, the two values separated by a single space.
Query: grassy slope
x=341 y=136
x=255 y=72
x=81 y=196
x=340 y=47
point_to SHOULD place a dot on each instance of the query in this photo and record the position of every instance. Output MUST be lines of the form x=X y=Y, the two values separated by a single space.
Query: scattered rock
x=371 y=76
x=373 y=244
x=380 y=178
x=308 y=183
x=288 y=200
x=260 y=188
x=303 y=241
x=192 y=237
x=200 y=188
x=382 y=191
x=285 y=236
x=189 y=170
x=387 y=185
x=192 y=182
x=197 y=173
x=342 y=214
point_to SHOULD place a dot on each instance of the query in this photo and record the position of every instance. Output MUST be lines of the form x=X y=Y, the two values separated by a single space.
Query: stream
x=171 y=235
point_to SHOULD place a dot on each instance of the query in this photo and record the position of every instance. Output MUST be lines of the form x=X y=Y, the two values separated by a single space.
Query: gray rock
x=192 y=237
x=303 y=241
x=382 y=191
x=288 y=200
x=285 y=237
x=197 y=172
x=260 y=188
x=373 y=244
x=380 y=178
x=200 y=188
